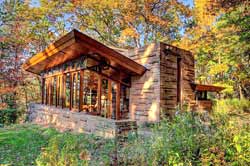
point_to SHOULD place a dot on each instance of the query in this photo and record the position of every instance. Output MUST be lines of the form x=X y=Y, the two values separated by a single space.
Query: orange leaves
x=6 y=90
x=150 y=6
x=128 y=32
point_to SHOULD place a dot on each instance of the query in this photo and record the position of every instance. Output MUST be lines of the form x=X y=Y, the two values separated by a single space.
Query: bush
x=189 y=140
x=176 y=142
x=232 y=106
x=228 y=143
x=8 y=116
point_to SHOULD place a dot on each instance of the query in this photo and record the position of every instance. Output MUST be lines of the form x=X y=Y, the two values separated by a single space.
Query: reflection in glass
x=90 y=85
x=54 y=79
x=113 y=99
x=60 y=91
x=45 y=92
x=104 y=97
x=76 y=90
x=67 y=91
x=124 y=105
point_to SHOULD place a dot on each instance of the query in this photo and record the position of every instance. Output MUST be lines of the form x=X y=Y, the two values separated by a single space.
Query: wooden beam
x=104 y=75
x=81 y=90
x=43 y=89
x=47 y=89
x=60 y=44
x=71 y=90
x=109 y=53
x=71 y=46
x=57 y=90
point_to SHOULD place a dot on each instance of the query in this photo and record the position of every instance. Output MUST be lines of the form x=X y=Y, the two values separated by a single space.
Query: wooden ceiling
x=73 y=45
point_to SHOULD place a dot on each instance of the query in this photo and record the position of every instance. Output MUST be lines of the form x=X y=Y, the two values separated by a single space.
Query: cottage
x=93 y=88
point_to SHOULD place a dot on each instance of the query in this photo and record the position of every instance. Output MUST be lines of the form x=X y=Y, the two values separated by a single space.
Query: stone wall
x=168 y=77
x=144 y=92
x=65 y=120
x=155 y=93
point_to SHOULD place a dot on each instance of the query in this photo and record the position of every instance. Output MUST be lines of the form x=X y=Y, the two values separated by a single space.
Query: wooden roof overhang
x=74 y=45
x=209 y=88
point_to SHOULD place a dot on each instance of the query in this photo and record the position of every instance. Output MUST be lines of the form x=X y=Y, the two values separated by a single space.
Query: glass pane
x=45 y=91
x=60 y=91
x=104 y=97
x=113 y=99
x=67 y=91
x=90 y=85
x=54 y=90
x=76 y=90
x=124 y=105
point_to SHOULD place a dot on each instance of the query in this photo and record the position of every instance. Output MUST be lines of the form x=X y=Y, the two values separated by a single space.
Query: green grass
x=186 y=139
x=26 y=145
x=21 y=144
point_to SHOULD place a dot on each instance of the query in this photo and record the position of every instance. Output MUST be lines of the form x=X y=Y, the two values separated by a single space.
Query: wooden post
x=60 y=90
x=99 y=91
x=179 y=81
x=81 y=90
x=57 y=89
x=109 y=98
x=43 y=88
x=47 y=89
x=71 y=90
x=118 y=97
x=52 y=90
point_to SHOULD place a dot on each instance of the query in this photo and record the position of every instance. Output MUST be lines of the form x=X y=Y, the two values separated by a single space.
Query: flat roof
x=210 y=88
x=73 y=45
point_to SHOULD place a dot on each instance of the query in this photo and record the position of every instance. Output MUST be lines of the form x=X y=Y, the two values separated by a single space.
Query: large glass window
x=124 y=105
x=54 y=82
x=76 y=90
x=113 y=99
x=104 y=98
x=60 y=92
x=90 y=86
x=64 y=90
x=67 y=91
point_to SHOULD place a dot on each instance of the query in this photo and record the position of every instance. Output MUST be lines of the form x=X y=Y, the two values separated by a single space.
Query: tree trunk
x=240 y=92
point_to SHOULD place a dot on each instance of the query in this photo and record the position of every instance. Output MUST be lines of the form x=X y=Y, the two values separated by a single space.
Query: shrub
x=8 y=116
x=76 y=149
x=232 y=106
x=228 y=143
x=189 y=140
x=176 y=142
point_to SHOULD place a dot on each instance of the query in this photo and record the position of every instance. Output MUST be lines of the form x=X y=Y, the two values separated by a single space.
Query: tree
x=218 y=35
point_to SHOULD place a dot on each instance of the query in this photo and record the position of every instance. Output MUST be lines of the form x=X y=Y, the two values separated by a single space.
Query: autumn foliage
x=216 y=31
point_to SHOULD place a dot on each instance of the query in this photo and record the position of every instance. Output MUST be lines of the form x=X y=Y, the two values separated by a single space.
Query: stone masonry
x=65 y=120
x=155 y=93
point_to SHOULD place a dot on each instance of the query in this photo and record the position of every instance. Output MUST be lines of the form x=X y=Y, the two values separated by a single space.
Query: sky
x=188 y=2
